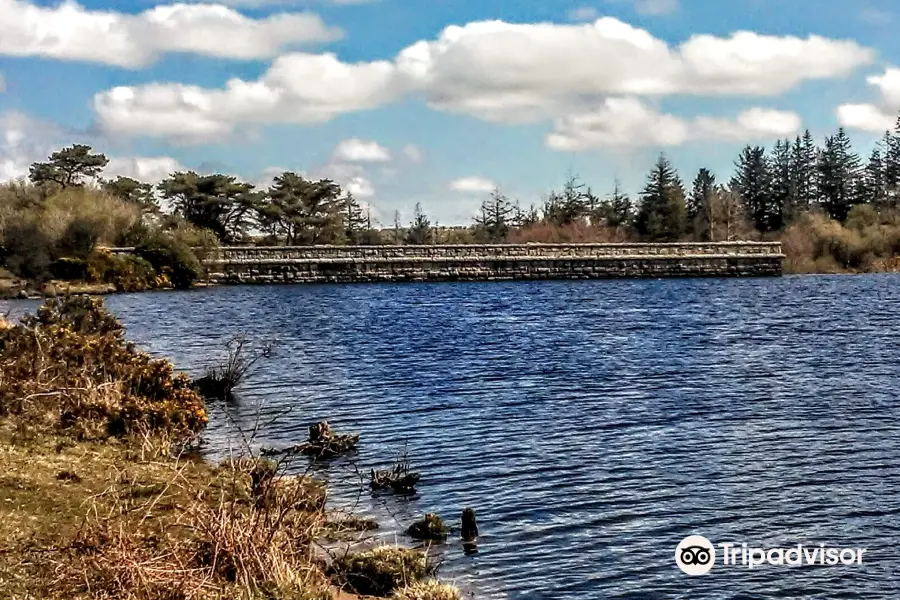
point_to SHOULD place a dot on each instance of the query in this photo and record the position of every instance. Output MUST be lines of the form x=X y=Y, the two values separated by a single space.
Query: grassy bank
x=101 y=495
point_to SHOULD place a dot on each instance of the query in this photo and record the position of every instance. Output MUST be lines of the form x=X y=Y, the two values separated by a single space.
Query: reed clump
x=428 y=590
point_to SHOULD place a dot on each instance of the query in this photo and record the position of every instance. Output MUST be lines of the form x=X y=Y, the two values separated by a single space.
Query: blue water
x=592 y=425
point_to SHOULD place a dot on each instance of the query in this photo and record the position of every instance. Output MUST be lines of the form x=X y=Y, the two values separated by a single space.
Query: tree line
x=769 y=189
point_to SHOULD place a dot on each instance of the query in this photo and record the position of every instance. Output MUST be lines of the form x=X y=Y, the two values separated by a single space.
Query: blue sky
x=383 y=97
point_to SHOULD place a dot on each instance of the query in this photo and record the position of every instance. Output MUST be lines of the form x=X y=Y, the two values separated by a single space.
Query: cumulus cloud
x=71 y=32
x=630 y=123
x=523 y=72
x=149 y=169
x=23 y=141
x=360 y=187
x=880 y=115
x=364 y=151
x=491 y=70
x=472 y=184
x=297 y=88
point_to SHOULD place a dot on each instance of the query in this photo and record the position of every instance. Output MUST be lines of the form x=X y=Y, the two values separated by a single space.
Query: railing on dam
x=331 y=254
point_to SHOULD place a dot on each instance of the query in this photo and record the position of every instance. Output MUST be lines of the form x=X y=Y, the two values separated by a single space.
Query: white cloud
x=881 y=115
x=360 y=187
x=630 y=123
x=297 y=88
x=413 y=153
x=149 y=169
x=524 y=72
x=583 y=13
x=23 y=141
x=472 y=184
x=363 y=151
x=491 y=70
x=71 y=32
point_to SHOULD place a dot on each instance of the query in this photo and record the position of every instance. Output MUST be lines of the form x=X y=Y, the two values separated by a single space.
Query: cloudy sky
x=438 y=101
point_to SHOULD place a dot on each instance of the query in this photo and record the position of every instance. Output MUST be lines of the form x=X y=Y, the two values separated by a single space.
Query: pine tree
x=804 y=156
x=132 y=191
x=891 y=158
x=752 y=183
x=698 y=204
x=216 y=202
x=69 y=167
x=662 y=215
x=872 y=187
x=570 y=205
x=839 y=171
x=783 y=204
x=354 y=219
x=494 y=218
x=420 y=231
x=698 y=199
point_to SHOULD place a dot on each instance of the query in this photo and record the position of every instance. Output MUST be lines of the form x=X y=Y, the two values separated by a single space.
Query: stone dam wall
x=491 y=262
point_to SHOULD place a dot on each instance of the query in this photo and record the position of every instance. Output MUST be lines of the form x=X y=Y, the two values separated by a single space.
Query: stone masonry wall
x=351 y=264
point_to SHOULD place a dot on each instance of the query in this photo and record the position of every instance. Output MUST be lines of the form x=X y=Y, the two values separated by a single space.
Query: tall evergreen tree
x=804 y=156
x=662 y=215
x=751 y=182
x=891 y=165
x=704 y=183
x=355 y=220
x=783 y=205
x=872 y=187
x=839 y=171
x=132 y=191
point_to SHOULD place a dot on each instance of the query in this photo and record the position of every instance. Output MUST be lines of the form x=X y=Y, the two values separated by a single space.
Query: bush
x=69 y=367
x=128 y=273
x=69 y=269
x=380 y=571
x=173 y=259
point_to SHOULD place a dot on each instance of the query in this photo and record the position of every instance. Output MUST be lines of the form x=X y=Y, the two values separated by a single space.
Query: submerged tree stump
x=323 y=443
x=430 y=527
x=399 y=478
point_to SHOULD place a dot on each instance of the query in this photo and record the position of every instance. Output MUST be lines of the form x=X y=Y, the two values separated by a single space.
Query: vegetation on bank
x=103 y=497
x=833 y=211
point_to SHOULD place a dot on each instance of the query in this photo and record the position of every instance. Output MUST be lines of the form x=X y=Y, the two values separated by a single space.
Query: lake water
x=592 y=425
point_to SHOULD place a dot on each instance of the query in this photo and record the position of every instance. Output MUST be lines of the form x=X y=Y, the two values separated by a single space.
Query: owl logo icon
x=695 y=555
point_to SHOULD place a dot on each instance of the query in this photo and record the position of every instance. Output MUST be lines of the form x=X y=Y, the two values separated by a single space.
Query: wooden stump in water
x=469 y=525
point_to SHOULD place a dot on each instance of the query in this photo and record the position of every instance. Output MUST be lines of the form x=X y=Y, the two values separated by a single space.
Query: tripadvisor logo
x=696 y=555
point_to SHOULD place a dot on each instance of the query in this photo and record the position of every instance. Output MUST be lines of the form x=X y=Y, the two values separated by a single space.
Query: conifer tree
x=783 y=199
x=494 y=219
x=872 y=181
x=751 y=182
x=355 y=221
x=839 y=171
x=662 y=215
x=698 y=205
x=420 y=231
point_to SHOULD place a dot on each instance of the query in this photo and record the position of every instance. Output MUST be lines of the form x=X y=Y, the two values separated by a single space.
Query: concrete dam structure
x=490 y=262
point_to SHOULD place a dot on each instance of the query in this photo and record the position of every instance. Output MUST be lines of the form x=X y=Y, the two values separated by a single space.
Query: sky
x=440 y=101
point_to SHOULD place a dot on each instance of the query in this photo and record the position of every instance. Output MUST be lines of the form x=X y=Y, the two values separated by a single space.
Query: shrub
x=382 y=570
x=128 y=273
x=173 y=259
x=430 y=527
x=69 y=367
x=69 y=269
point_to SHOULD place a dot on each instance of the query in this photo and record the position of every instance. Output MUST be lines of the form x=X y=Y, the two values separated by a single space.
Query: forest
x=832 y=211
